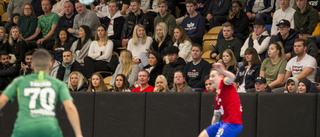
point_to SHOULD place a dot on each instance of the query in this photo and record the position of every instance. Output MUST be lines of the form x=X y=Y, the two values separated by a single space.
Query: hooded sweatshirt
x=295 y=80
x=311 y=88
x=114 y=23
x=309 y=18
x=54 y=69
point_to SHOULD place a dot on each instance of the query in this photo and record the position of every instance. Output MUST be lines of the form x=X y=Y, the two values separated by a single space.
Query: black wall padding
x=287 y=115
x=8 y=117
x=119 y=114
x=172 y=114
x=207 y=108
x=249 y=114
x=318 y=117
x=84 y=102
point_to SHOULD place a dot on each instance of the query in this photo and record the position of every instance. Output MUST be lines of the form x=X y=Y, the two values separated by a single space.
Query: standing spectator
x=101 y=9
x=16 y=6
x=66 y=21
x=121 y=84
x=28 y=21
x=58 y=7
x=249 y=71
x=180 y=84
x=96 y=84
x=286 y=36
x=182 y=41
x=4 y=43
x=260 y=9
x=80 y=47
x=143 y=78
x=76 y=82
x=68 y=65
x=229 y=61
x=154 y=67
x=126 y=67
x=273 y=68
x=26 y=67
x=305 y=15
x=161 y=84
x=259 y=40
x=46 y=24
x=227 y=43
x=136 y=16
x=286 y=12
x=261 y=86
x=306 y=86
x=8 y=71
x=84 y=17
x=312 y=47
x=100 y=53
x=12 y=22
x=18 y=47
x=62 y=42
x=196 y=70
x=165 y=16
x=194 y=23
x=292 y=85
x=162 y=39
x=218 y=12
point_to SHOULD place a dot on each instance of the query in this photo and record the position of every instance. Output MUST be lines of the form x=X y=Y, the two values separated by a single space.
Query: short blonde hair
x=165 y=83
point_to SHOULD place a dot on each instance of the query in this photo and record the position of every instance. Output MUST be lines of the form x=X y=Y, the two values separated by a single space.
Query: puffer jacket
x=131 y=21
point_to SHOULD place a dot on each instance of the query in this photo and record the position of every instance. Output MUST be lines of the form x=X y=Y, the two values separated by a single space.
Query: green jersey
x=45 y=23
x=37 y=96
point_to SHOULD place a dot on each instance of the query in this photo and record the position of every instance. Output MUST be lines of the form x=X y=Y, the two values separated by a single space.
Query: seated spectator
x=36 y=4
x=81 y=46
x=4 y=42
x=68 y=65
x=302 y=65
x=203 y=6
x=259 y=40
x=139 y=44
x=292 y=85
x=58 y=7
x=154 y=67
x=13 y=22
x=7 y=71
x=260 y=9
x=135 y=16
x=123 y=6
x=84 y=17
x=312 y=47
x=194 y=23
x=227 y=43
x=76 y=82
x=229 y=61
x=66 y=21
x=180 y=84
x=96 y=84
x=26 y=68
x=292 y=4
x=28 y=21
x=182 y=41
x=121 y=84
x=249 y=71
x=196 y=70
x=100 y=53
x=46 y=25
x=175 y=63
x=101 y=9
x=286 y=12
x=15 y=6
x=149 y=6
x=54 y=66
x=208 y=85
x=18 y=47
x=306 y=86
x=161 y=39
x=62 y=42
x=261 y=86
x=273 y=68
x=143 y=79
x=305 y=15
x=218 y=12
x=161 y=84
x=126 y=67
x=114 y=21
x=286 y=36
x=165 y=16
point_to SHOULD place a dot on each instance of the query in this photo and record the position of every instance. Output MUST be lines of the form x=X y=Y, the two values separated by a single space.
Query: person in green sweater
x=28 y=21
x=165 y=16
x=305 y=15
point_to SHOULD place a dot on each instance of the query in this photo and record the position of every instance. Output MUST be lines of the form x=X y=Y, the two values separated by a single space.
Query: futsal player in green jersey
x=37 y=95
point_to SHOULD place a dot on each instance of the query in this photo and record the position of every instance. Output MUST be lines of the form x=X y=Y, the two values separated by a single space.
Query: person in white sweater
x=81 y=46
x=101 y=9
x=58 y=7
x=138 y=45
x=100 y=53
x=285 y=12
x=182 y=41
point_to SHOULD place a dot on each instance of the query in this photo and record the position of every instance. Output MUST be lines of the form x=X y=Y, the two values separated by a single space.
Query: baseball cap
x=304 y=30
x=259 y=22
x=284 y=22
x=261 y=80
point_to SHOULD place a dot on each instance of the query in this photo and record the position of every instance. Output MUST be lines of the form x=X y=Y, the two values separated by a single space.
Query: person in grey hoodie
x=54 y=65
x=68 y=65
x=292 y=85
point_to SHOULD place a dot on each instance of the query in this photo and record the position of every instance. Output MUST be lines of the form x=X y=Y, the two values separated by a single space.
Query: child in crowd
x=292 y=85
x=260 y=84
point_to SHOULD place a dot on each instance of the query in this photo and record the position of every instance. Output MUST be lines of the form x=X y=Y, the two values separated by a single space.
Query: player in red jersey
x=227 y=105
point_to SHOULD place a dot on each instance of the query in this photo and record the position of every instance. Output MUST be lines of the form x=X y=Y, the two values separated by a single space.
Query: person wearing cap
x=286 y=36
x=312 y=48
x=261 y=85
x=258 y=40
x=286 y=12
x=305 y=15
x=260 y=9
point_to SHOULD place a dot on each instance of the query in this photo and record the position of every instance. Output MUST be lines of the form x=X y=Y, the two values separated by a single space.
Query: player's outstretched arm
x=73 y=116
x=220 y=68
x=3 y=100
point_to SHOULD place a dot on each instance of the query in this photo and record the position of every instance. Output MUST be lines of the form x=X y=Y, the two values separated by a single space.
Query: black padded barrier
x=207 y=108
x=249 y=114
x=119 y=114
x=172 y=114
x=84 y=102
x=287 y=115
x=8 y=116
x=318 y=118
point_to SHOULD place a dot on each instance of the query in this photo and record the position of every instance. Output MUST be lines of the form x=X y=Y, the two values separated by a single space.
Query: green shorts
x=38 y=129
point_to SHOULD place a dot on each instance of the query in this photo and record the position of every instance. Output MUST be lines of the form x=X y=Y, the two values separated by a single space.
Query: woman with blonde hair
x=161 y=84
x=182 y=41
x=18 y=46
x=76 y=82
x=230 y=61
x=127 y=67
x=96 y=84
x=162 y=39
x=4 y=44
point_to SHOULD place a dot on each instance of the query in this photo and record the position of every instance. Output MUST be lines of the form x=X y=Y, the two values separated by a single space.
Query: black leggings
x=91 y=66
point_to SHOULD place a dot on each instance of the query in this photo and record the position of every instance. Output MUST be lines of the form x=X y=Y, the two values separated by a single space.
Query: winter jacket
x=119 y=21
x=309 y=18
x=169 y=69
x=249 y=77
x=75 y=66
x=131 y=21
x=287 y=43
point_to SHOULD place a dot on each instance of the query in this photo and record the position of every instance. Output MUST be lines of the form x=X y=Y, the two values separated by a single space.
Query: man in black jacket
x=68 y=65
x=7 y=71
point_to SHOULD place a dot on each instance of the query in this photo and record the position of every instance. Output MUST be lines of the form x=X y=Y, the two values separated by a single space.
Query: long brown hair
x=255 y=57
x=183 y=35
x=233 y=61
x=102 y=86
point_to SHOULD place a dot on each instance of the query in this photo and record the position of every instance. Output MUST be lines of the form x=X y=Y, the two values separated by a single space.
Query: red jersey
x=148 y=89
x=227 y=102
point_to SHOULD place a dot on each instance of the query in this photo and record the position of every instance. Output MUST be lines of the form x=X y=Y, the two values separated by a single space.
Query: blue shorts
x=222 y=129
